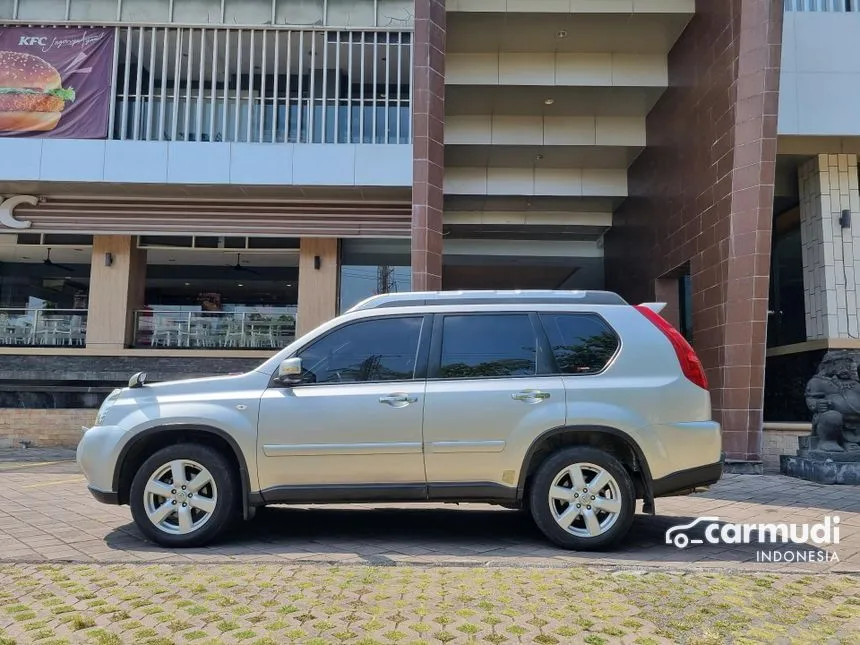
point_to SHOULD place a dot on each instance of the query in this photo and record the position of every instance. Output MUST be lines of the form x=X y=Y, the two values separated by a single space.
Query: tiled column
x=831 y=253
x=117 y=281
x=318 y=274
x=428 y=117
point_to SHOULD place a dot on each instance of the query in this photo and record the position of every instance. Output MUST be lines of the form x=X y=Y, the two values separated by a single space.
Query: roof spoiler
x=656 y=307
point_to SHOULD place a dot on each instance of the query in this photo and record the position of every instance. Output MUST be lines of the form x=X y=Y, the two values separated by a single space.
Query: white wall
x=335 y=13
x=157 y=162
x=820 y=78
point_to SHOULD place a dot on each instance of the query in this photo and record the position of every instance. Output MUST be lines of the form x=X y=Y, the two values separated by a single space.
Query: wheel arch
x=612 y=440
x=147 y=442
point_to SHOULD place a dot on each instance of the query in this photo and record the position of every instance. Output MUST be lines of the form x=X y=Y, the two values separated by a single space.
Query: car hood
x=211 y=385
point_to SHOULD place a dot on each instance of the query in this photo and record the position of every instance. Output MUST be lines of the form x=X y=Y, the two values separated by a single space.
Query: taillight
x=691 y=366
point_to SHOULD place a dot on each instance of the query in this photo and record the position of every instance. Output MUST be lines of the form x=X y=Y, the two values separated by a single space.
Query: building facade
x=266 y=164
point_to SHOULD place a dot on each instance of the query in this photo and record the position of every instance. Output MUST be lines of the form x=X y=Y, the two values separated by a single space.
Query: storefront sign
x=7 y=210
x=55 y=82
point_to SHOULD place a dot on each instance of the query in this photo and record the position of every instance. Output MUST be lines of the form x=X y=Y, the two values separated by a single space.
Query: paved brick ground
x=274 y=604
x=47 y=515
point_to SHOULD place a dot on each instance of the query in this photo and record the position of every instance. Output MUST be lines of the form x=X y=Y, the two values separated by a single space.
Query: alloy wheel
x=585 y=500
x=180 y=497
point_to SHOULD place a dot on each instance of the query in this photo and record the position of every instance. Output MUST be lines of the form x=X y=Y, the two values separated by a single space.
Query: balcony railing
x=213 y=330
x=842 y=6
x=43 y=327
x=269 y=85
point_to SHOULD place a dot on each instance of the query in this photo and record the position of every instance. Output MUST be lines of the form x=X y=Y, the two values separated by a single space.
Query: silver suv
x=571 y=405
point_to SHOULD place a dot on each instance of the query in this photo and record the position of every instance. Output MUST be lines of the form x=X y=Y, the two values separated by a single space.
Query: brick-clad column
x=428 y=118
x=745 y=236
x=706 y=200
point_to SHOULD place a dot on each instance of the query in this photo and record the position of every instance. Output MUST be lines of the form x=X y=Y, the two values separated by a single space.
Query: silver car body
x=452 y=434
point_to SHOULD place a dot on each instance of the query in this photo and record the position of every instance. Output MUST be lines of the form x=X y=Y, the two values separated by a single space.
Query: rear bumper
x=687 y=481
x=103 y=496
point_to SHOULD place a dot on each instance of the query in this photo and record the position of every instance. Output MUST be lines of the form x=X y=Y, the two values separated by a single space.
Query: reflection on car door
x=485 y=391
x=357 y=417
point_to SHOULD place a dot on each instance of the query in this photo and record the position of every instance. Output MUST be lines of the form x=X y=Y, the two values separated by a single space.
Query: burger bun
x=20 y=70
x=28 y=121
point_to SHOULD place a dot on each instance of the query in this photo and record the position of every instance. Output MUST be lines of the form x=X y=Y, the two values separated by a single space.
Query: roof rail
x=518 y=297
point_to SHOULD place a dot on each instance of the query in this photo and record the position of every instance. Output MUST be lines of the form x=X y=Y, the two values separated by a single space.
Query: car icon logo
x=676 y=535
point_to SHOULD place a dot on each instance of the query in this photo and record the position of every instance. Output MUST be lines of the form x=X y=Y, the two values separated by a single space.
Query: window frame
x=421 y=352
x=434 y=367
x=583 y=314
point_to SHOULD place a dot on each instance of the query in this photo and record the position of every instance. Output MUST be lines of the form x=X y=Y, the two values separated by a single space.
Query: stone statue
x=833 y=397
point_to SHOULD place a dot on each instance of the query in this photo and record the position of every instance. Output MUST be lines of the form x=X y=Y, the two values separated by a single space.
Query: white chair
x=73 y=334
x=234 y=336
x=50 y=331
x=6 y=330
x=164 y=331
x=194 y=334
x=262 y=335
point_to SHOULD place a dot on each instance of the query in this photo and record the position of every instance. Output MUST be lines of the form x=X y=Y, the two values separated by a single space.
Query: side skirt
x=479 y=492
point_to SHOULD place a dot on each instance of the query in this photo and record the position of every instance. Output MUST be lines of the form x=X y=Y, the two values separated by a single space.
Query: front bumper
x=97 y=454
x=687 y=481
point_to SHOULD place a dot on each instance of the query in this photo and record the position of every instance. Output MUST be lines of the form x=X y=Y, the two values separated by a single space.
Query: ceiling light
x=548 y=101
x=240 y=285
x=187 y=284
x=561 y=33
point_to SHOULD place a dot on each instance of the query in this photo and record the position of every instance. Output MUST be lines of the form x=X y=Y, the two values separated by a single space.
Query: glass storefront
x=44 y=292
x=218 y=299
x=372 y=267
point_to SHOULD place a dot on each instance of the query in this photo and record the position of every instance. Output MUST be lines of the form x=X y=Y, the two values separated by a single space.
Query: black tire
x=228 y=497
x=542 y=513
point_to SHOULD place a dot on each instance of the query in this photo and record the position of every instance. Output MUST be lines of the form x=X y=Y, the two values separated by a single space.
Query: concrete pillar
x=117 y=282
x=428 y=164
x=318 y=282
x=831 y=254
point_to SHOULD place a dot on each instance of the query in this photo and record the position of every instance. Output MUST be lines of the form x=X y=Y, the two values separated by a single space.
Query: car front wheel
x=184 y=495
x=583 y=499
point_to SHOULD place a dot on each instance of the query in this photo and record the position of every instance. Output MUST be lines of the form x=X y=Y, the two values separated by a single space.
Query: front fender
x=232 y=416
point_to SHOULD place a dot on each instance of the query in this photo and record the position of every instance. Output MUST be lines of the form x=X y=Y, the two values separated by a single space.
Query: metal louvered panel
x=262 y=85
x=206 y=217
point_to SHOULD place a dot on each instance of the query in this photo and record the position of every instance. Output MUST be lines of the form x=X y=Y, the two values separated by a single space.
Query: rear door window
x=488 y=346
x=580 y=343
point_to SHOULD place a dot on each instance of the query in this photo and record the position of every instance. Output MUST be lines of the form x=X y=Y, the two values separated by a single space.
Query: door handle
x=530 y=396
x=398 y=400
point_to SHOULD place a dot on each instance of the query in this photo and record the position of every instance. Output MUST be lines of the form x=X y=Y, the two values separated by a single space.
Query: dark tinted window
x=487 y=346
x=581 y=344
x=371 y=350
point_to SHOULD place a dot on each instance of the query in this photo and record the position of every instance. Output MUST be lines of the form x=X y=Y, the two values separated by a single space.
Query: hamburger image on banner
x=55 y=82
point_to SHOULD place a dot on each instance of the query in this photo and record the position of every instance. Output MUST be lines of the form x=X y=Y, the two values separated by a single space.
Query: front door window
x=366 y=351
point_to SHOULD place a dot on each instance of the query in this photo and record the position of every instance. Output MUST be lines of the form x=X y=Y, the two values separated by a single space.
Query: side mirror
x=290 y=371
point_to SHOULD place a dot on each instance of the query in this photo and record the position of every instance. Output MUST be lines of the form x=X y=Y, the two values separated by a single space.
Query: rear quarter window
x=580 y=343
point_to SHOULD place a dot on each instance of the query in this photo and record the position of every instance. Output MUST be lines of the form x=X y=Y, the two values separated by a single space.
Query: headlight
x=106 y=406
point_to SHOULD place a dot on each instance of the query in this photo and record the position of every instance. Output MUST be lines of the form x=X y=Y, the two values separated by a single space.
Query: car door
x=487 y=398
x=355 y=419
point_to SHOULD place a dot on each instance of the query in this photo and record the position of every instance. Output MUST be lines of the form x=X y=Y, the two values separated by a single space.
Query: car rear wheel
x=184 y=495
x=583 y=499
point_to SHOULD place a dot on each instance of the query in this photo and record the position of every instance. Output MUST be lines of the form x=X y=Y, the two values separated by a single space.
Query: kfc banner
x=55 y=82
